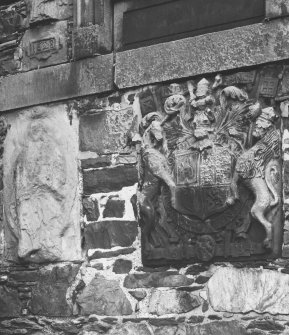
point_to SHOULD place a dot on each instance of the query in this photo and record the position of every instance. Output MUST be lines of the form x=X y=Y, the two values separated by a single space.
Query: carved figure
x=154 y=173
x=259 y=169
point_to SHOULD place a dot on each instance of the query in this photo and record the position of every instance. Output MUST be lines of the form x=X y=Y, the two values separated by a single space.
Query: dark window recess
x=170 y=20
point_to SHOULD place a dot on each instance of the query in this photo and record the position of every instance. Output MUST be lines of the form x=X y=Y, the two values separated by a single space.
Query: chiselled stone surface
x=90 y=209
x=42 y=208
x=275 y=8
x=108 y=180
x=156 y=279
x=44 y=46
x=229 y=49
x=10 y=304
x=121 y=266
x=269 y=325
x=243 y=290
x=43 y=10
x=109 y=234
x=56 y=83
x=114 y=208
x=105 y=132
x=217 y=328
x=171 y=301
x=103 y=297
x=49 y=294
x=130 y=328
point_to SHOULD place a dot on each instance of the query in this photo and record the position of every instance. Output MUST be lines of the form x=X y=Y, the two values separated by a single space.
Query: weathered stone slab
x=109 y=234
x=229 y=49
x=244 y=290
x=131 y=328
x=56 y=83
x=172 y=301
x=10 y=304
x=108 y=180
x=103 y=297
x=49 y=295
x=105 y=132
x=156 y=279
x=217 y=328
x=275 y=8
x=44 y=46
x=43 y=10
x=41 y=201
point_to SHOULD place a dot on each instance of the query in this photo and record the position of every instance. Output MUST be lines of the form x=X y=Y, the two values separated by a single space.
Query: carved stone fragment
x=41 y=201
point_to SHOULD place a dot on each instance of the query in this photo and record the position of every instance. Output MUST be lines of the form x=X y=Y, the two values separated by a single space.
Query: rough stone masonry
x=143 y=191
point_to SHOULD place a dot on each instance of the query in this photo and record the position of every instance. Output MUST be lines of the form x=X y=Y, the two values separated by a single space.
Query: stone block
x=49 y=295
x=156 y=279
x=109 y=180
x=172 y=302
x=105 y=132
x=92 y=32
x=56 y=83
x=109 y=234
x=44 y=46
x=275 y=8
x=110 y=253
x=103 y=297
x=217 y=328
x=90 y=209
x=114 y=208
x=41 y=199
x=218 y=51
x=139 y=294
x=43 y=10
x=268 y=325
x=131 y=328
x=244 y=290
x=10 y=304
x=122 y=266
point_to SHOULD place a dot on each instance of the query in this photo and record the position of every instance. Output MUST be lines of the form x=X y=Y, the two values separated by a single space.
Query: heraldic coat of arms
x=209 y=163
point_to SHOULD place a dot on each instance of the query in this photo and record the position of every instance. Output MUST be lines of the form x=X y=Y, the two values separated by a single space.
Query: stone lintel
x=230 y=49
x=65 y=81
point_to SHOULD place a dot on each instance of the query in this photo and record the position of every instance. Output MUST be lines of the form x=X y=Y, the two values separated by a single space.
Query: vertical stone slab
x=41 y=200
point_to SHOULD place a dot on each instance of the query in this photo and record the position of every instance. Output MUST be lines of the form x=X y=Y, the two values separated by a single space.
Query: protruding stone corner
x=219 y=51
x=245 y=290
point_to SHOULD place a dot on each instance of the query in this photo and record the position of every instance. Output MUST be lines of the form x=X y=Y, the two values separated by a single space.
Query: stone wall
x=70 y=239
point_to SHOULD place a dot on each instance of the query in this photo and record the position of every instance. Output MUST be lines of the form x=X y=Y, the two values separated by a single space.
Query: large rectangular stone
x=225 y=50
x=89 y=76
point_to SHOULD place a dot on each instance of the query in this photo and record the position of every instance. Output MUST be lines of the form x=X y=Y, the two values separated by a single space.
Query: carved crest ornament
x=210 y=174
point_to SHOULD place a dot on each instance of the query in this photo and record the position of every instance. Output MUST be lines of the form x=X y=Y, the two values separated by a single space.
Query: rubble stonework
x=157 y=206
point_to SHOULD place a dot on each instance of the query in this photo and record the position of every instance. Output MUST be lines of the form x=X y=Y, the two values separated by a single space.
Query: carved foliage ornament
x=210 y=173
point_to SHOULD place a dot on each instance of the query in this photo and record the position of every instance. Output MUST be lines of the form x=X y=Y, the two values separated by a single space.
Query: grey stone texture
x=56 y=83
x=172 y=302
x=277 y=8
x=105 y=132
x=103 y=297
x=244 y=290
x=225 y=50
x=43 y=10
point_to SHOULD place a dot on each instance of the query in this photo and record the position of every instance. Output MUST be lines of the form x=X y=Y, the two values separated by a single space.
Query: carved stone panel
x=41 y=201
x=210 y=169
